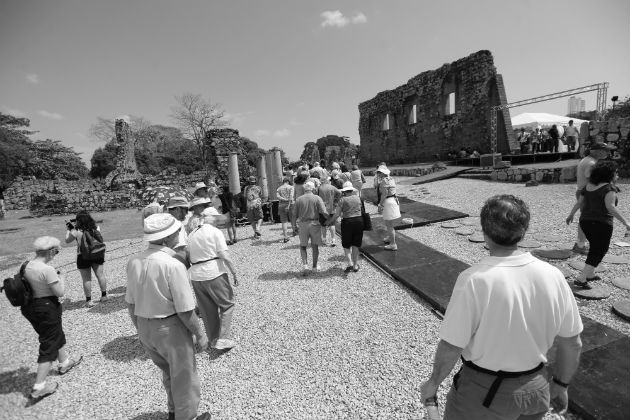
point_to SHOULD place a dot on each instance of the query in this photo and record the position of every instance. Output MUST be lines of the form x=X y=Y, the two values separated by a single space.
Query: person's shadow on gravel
x=258 y=242
x=113 y=304
x=156 y=415
x=19 y=380
x=124 y=349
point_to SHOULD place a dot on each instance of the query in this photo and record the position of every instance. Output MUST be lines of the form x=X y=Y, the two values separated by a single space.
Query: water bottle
x=432 y=408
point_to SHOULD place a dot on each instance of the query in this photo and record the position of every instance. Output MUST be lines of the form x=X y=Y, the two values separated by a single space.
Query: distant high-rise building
x=576 y=104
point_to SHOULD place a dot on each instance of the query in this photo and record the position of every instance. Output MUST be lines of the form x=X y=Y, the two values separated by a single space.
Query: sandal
x=73 y=363
x=582 y=284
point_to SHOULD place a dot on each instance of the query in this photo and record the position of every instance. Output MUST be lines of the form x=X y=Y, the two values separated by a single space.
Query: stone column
x=277 y=168
x=233 y=176
x=271 y=179
x=261 y=170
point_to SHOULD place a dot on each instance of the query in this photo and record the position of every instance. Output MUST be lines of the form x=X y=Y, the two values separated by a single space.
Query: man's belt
x=203 y=261
x=501 y=375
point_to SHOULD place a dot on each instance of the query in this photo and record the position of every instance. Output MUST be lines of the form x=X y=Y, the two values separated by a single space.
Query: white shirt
x=584 y=169
x=205 y=243
x=506 y=311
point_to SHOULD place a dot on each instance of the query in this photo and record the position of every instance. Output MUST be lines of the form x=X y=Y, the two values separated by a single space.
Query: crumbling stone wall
x=220 y=143
x=615 y=132
x=476 y=87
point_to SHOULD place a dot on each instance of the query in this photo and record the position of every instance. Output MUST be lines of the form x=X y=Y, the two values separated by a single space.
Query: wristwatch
x=559 y=382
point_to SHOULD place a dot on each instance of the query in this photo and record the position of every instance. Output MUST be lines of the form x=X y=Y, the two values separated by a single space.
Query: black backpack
x=91 y=245
x=17 y=289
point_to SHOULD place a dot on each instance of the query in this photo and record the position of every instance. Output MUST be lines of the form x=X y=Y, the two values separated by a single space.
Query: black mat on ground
x=421 y=213
x=600 y=388
x=429 y=273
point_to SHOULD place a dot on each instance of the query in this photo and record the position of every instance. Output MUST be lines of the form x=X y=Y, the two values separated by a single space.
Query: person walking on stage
x=308 y=207
x=503 y=317
x=572 y=134
x=161 y=306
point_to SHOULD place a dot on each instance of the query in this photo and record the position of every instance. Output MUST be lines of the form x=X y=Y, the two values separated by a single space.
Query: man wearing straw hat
x=161 y=306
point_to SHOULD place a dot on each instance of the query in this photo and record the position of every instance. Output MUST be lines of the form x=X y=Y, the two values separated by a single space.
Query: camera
x=69 y=224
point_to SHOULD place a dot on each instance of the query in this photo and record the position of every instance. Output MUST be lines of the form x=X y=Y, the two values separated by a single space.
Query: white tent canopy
x=543 y=120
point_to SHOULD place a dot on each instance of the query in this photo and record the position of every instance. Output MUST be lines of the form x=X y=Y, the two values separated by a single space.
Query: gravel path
x=324 y=346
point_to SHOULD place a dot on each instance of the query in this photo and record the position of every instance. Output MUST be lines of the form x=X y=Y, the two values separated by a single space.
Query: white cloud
x=32 y=78
x=359 y=18
x=237 y=118
x=12 y=111
x=336 y=19
x=284 y=132
x=294 y=123
x=50 y=115
x=261 y=133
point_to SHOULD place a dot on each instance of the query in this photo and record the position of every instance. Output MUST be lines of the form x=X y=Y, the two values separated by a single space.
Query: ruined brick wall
x=476 y=86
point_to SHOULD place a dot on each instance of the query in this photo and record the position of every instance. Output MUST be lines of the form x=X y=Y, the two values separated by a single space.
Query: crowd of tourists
x=187 y=273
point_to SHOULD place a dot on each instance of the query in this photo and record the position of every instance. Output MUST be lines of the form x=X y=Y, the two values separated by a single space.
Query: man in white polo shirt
x=161 y=306
x=502 y=319
x=210 y=262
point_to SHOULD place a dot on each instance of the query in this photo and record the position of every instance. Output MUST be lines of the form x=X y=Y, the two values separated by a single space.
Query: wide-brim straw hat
x=200 y=185
x=347 y=186
x=383 y=169
x=160 y=225
x=177 y=202
x=197 y=201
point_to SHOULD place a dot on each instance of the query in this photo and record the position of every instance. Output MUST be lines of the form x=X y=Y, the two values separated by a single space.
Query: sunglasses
x=55 y=251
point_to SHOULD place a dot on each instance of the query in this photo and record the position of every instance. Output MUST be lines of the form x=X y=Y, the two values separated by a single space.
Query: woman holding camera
x=44 y=314
x=85 y=223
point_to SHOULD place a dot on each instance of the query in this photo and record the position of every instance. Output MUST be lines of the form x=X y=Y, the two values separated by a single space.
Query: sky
x=288 y=72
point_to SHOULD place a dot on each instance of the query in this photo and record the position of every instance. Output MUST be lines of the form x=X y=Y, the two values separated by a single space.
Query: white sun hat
x=347 y=186
x=160 y=225
x=383 y=169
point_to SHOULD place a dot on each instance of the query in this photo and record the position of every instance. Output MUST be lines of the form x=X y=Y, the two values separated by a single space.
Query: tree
x=103 y=160
x=195 y=116
x=14 y=148
x=252 y=151
x=104 y=130
x=51 y=159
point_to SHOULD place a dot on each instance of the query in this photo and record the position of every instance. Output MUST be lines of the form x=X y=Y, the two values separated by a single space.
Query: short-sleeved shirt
x=204 y=244
x=350 y=206
x=308 y=207
x=77 y=234
x=40 y=276
x=584 y=169
x=285 y=194
x=157 y=284
x=506 y=311
x=571 y=131
x=387 y=187
x=252 y=194
x=330 y=195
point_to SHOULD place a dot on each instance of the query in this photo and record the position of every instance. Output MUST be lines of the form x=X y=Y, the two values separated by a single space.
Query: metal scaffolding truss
x=601 y=88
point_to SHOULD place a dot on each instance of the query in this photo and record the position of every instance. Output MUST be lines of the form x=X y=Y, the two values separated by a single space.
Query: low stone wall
x=547 y=175
x=47 y=197
x=407 y=171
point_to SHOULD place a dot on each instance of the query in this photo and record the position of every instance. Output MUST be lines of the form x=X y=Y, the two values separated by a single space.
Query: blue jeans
x=525 y=397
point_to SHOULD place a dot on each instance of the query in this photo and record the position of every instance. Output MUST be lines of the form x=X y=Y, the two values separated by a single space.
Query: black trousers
x=44 y=314
x=598 y=235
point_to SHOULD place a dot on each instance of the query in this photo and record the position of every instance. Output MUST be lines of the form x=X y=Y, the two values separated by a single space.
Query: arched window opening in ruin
x=413 y=114
x=386 y=122
x=449 y=108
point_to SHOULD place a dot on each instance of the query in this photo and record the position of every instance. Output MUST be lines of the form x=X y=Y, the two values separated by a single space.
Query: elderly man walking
x=161 y=306
x=210 y=262
x=308 y=207
x=502 y=319
x=254 y=205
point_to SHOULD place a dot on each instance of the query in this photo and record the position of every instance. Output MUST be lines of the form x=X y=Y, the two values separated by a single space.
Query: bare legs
x=304 y=255
x=392 y=235
x=86 y=277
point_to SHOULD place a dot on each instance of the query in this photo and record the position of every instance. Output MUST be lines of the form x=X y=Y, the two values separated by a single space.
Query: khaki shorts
x=310 y=229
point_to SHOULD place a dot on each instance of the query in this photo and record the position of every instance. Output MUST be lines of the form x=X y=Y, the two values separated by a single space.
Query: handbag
x=367 y=222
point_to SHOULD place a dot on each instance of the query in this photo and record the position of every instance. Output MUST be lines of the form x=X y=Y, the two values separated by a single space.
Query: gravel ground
x=324 y=346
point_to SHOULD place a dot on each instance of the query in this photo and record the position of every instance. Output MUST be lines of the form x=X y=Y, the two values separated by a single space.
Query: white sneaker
x=317 y=268
x=90 y=303
x=305 y=269
x=224 y=344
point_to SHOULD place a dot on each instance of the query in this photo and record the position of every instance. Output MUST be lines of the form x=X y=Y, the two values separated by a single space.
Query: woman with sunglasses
x=44 y=314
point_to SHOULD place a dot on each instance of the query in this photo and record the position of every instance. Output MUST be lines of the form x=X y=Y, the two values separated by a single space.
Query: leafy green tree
x=52 y=160
x=103 y=160
x=14 y=148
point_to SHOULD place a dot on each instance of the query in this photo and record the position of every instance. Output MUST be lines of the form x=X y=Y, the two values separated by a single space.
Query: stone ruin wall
x=48 y=197
x=477 y=87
